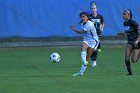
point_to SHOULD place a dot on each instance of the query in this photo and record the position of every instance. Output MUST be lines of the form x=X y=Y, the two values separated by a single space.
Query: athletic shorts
x=134 y=47
x=99 y=37
x=91 y=43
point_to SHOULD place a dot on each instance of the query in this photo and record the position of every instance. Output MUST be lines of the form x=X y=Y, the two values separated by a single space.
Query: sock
x=82 y=70
x=83 y=55
x=94 y=55
x=128 y=65
x=99 y=46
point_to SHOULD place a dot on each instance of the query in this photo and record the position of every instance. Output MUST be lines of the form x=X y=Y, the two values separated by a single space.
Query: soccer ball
x=55 y=57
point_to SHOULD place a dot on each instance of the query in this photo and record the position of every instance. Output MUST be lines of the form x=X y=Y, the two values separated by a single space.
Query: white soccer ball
x=55 y=57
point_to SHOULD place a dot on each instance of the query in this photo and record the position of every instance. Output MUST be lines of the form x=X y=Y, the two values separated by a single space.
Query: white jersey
x=90 y=33
x=90 y=36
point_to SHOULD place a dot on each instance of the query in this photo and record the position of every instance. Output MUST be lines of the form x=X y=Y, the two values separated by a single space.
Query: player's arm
x=135 y=25
x=102 y=27
x=122 y=34
x=139 y=28
x=103 y=24
x=76 y=30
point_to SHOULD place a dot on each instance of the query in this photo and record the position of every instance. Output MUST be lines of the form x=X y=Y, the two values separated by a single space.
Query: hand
x=101 y=29
x=122 y=34
x=72 y=26
x=136 y=42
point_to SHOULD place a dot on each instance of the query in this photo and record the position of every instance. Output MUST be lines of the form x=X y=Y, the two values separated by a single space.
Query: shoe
x=77 y=74
x=99 y=50
x=129 y=74
x=85 y=63
x=93 y=64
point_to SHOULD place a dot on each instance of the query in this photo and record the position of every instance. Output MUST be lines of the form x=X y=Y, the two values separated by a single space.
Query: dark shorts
x=99 y=35
x=134 y=47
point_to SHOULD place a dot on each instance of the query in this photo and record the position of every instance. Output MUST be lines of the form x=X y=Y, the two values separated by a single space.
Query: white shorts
x=91 y=43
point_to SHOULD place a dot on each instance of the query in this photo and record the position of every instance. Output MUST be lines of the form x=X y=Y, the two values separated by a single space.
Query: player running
x=98 y=21
x=90 y=41
x=133 y=37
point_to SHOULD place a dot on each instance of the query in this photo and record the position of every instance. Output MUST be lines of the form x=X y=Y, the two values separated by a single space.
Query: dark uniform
x=98 y=21
x=132 y=32
x=131 y=29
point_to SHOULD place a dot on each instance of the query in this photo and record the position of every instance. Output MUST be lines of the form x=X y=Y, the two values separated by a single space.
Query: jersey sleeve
x=134 y=24
x=102 y=19
x=88 y=26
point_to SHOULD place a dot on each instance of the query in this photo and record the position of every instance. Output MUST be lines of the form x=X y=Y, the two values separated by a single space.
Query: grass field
x=28 y=70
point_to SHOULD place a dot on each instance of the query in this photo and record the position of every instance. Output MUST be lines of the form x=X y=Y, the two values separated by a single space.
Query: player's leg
x=92 y=46
x=94 y=54
x=84 y=47
x=99 y=46
x=128 y=51
x=135 y=54
x=89 y=46
x=89 y=53
x=93 y=58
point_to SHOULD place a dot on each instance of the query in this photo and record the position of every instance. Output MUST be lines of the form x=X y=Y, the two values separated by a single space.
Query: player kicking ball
x=90 y=41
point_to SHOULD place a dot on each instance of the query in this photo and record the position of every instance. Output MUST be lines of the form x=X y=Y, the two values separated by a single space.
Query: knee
x=134 y=60
x=83 y=49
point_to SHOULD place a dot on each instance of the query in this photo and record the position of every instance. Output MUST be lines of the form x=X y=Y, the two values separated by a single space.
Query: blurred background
x=43 y=22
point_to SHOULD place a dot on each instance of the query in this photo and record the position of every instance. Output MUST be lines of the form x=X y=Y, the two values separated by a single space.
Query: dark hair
x=92 y=3
x=85 y=13
x=129 y=12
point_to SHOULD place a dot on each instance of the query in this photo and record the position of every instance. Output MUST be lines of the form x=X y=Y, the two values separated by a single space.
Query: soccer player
x=90 y=41
x=133 y=37
x=98 y=21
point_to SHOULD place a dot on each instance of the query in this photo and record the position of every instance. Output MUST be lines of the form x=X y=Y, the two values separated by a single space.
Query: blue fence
x=43 y=18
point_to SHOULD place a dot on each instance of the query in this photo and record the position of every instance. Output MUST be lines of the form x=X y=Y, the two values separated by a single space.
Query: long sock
x=83 y=55
x=82 y=70
x=94 y=55
x=128 y=65
x=99 y=46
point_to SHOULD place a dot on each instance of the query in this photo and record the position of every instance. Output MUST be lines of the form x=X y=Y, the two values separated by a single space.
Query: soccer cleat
x=77 y=74
x=85 y=63
x=93 y=64
x=129 y=74
x=99 y=50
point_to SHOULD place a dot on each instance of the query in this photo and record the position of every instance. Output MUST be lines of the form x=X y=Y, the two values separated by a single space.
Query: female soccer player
x=90 y=40
x=133 y=37
x=98 y=21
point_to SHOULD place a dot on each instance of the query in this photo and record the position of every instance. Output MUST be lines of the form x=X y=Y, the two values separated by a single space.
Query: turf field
x=28 y=70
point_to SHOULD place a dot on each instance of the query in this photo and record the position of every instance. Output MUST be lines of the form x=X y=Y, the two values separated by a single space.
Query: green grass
x=28 y=70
